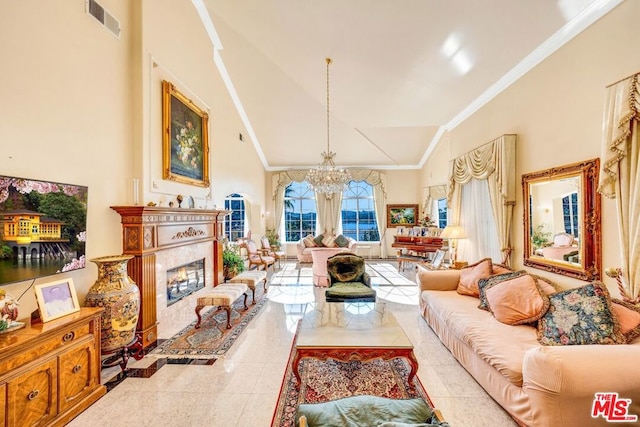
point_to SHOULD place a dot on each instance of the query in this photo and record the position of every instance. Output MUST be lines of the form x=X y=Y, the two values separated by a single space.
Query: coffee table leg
x=295 y=365
x=413 y=362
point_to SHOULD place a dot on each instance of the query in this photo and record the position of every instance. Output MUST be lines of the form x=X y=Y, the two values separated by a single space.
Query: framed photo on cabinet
x=56 y=299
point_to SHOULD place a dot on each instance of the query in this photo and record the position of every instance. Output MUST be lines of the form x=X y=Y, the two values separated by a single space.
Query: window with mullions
x=299 y=211
x=359 y=213
x=234 y=222
x=570 y=214
x=442 y=213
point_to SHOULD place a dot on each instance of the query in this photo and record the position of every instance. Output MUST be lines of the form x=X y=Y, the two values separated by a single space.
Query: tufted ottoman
x=222 y=296
x=251 y=279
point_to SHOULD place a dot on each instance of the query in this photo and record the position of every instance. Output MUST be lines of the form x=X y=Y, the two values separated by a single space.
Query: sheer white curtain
x=479 y=224
x=620 y=176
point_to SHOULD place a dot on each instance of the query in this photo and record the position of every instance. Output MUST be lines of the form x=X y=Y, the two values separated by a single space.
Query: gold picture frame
x=402 y=215
x=185 y=139
x=56 y=299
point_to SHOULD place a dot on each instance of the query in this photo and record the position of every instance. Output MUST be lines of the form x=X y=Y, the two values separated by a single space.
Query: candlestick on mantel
x=136 y=194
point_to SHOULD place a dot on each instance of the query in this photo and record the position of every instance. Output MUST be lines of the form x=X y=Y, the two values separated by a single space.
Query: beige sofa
x=538 y=385
x=304 y=247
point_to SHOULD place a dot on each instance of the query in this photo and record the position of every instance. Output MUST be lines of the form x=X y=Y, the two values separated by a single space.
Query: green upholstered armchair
x=348 y=280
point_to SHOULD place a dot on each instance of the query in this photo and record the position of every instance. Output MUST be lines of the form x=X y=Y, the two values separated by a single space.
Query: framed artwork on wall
x=402 y=215
x=185 y=139
x=56 y=299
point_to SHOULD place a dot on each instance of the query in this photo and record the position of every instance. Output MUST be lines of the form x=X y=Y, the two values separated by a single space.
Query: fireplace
x=184 y=280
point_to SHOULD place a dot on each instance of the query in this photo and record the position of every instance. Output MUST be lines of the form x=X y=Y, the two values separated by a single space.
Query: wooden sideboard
x=50 y=372
x=149 y=229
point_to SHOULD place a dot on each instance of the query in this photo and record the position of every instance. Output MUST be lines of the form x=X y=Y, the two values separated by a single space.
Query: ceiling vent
x=104 y=17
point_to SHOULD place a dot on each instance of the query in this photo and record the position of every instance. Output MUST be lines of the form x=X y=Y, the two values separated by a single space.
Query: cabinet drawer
x=78 y=374
x=59 y=340
x=32 y=395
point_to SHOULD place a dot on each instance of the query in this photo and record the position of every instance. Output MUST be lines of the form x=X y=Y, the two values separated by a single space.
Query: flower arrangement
x=427 y=222
x=189 y=145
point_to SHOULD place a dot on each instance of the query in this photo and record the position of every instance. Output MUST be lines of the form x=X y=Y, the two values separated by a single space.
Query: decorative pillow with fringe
x=517 y=300
x=580 y=316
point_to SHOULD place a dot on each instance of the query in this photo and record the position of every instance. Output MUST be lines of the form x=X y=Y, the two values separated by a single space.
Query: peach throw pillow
x=469 y=277
x=628 y=316
x=517 y=301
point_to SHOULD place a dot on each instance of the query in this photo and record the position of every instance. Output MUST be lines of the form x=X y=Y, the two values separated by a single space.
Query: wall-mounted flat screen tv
x=43 y=228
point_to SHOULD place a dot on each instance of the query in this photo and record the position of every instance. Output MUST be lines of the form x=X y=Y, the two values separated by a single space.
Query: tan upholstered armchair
x=257 y=257
x=273 y=251
x=348 y=280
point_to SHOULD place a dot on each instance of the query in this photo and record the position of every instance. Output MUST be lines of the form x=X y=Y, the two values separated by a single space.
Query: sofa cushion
x=580 y=316
x=309 y=241
x=341 y=241
x=469 y=277
x=517 y=300
x=628 y=316
x=501 y=346
x=318 y=240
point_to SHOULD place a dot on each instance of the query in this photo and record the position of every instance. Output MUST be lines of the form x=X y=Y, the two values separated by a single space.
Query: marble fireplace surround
x=161 y=238
x=181 y=312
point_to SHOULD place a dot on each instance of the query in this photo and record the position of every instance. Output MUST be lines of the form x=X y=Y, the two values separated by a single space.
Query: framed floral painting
x=185 y=139
x=402 y=215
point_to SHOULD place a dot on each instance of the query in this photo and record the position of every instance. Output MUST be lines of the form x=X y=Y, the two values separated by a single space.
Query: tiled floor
x=241 y=389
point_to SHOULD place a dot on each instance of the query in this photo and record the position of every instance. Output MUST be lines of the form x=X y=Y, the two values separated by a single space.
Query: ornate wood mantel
x=149 y=229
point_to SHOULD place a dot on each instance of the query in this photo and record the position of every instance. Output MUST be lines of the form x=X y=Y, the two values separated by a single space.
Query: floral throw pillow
x=580 y=316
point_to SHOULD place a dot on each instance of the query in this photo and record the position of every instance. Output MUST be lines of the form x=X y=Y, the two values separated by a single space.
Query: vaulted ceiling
x=403 y=73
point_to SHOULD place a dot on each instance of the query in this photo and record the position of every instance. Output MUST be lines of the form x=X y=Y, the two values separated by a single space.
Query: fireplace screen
x=184 y=280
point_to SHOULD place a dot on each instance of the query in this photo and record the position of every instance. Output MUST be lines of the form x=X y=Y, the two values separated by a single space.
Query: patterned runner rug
x=212 y=339
x=322 y=381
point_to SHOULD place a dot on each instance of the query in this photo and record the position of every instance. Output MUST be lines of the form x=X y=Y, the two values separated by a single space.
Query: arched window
x=234 y=222
x=359 y=213
x=299 y=211
x=570 y=214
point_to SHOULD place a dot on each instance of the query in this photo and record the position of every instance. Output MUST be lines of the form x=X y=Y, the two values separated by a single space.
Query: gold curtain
x=620 y=175
x=494 y=162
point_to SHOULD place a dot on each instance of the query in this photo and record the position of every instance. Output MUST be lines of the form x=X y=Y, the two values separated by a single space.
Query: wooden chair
x=273 y=251
x=256 y=256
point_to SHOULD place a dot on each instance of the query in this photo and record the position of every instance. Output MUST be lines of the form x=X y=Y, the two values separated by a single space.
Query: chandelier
x=327 y=178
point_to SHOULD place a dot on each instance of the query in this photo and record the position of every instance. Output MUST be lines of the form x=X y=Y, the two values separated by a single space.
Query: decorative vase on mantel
x=119 y=295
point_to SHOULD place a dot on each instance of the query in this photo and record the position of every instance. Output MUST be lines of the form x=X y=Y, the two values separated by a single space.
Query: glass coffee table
x=351 y=331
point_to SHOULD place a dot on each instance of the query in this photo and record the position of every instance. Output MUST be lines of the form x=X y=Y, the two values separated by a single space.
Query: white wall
x=80 y=106
x=556 y=111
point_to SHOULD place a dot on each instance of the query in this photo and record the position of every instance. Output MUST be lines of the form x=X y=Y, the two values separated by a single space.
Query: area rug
x=212 y=339
x=322 y=381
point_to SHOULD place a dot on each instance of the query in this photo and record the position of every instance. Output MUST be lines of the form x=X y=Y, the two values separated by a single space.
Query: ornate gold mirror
x=562 y=231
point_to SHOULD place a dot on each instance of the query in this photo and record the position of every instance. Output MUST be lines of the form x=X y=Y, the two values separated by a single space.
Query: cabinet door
x=3 y=405
x=33 y=396
x=77 y=373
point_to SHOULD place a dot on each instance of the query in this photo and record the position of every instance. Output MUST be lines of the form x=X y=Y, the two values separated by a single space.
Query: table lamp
x=453 y=233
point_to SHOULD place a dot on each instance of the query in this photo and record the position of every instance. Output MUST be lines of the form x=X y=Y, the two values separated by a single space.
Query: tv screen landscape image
x=42 y=228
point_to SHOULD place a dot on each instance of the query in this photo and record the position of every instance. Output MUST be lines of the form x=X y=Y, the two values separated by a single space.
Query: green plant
x=539 y=237
x=274 y=238
x=232 y=260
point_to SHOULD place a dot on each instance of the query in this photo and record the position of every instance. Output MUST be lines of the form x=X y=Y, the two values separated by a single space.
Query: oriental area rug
x=212 y=339
x=322 y=381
